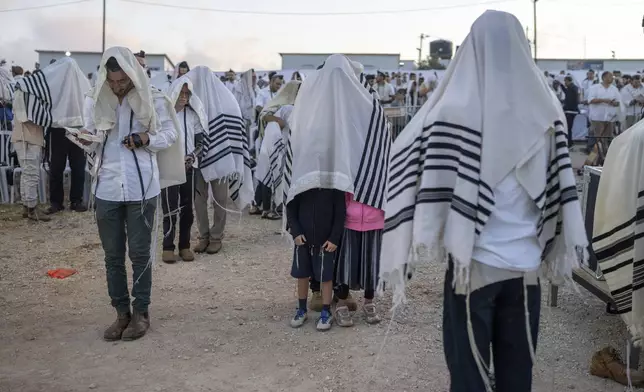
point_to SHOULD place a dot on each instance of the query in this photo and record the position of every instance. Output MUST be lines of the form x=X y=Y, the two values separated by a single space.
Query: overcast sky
x=567 y=28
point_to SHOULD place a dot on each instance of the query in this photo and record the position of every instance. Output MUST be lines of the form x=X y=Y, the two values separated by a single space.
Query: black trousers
x=498 y=319
x=61 y=149
x=570 y=119
x=263 y=197
x=178 y=197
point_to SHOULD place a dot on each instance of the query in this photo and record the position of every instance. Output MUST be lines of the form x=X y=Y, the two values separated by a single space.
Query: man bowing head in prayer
x=484 y=183
x=140 y=154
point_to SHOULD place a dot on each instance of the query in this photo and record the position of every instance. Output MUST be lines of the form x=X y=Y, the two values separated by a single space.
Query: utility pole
x=585 y=48
x=534 y=39
x=420 y=48
x=103 y=46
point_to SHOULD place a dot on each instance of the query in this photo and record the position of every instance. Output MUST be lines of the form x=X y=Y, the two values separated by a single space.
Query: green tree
x=430 y=63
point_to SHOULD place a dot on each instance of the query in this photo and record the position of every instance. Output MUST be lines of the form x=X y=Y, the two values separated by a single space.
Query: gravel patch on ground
x=221 y=324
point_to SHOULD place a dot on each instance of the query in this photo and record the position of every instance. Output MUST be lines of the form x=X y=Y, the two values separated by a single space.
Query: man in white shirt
x=586 y=84
x=398 y=83
x=231 y=80
x=385 y=90
x=633 y=99
x=176 y=200
x=267 y=94
x=604 y=100
x=127 y=185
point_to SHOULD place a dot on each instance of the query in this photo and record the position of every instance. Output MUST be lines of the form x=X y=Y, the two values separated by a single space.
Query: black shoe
x=53 y=209
x=78 y=207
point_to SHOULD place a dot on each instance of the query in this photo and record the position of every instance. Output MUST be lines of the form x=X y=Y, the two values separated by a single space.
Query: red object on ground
x=61 y=273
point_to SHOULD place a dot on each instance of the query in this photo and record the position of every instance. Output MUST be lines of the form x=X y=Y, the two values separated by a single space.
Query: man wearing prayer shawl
x=618 y=244
x=231 y=80
x=481 y=178
x=140 y=154
x=52 y=97
x=274 y=120
x=177 y=200
x=246 y=92
x=225 y=163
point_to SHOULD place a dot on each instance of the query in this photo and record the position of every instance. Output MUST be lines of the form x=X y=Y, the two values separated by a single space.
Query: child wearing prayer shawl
x=177 y=200
x=338 y=145
x=316 y=221
x=481 y=178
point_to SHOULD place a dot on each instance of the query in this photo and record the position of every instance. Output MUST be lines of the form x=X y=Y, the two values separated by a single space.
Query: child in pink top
x=358 y=259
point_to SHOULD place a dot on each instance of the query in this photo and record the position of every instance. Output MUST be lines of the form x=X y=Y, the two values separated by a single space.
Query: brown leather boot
x=186 y=255
x=201 y=246
x=213 y=247
x=607 y=363
x=138 y=326
x=25 y=212
x=115 y=331
x=168 y=256
x=35 y=214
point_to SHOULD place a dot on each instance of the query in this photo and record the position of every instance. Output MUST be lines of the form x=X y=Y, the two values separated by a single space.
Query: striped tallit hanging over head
x=618 y=226
x=53 y=96
x=225 y=155
x=492 y=114
x=271 y=157
x=245 y=94
x=339 y=138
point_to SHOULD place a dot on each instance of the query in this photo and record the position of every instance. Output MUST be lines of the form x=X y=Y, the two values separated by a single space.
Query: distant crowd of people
x=612 y=102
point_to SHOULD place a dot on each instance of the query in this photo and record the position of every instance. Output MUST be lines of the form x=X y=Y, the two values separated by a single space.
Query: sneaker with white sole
x=299 y=319
x=343 y=316
x=324 y=321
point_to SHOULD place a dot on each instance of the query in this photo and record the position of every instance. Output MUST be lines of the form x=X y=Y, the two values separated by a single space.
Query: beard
x=121 y=92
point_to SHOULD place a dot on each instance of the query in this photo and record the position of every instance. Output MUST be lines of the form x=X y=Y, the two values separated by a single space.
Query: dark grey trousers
x=498 y=319
x=120 y=223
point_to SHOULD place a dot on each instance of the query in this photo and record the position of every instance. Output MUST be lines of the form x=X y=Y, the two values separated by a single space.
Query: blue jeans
x=118 y=223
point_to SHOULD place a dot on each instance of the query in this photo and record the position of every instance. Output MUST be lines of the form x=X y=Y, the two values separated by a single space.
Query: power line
x=36 y=7
x=247 y=12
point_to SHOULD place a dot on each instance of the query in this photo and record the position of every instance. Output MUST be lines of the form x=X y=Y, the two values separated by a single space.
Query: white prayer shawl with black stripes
x=471 y=134
x=270 y=161
x=339 y=138
x=52 y=97
x=618 y=233
x=225 y=152
x=245 y=94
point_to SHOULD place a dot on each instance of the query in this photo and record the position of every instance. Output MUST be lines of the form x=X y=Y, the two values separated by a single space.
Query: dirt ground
x=221 y=324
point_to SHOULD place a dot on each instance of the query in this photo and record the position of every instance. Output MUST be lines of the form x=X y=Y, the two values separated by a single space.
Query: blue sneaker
x=325 y=321
x=299 y=319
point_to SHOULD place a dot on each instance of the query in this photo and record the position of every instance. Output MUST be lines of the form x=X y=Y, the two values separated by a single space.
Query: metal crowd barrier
x=399 y=117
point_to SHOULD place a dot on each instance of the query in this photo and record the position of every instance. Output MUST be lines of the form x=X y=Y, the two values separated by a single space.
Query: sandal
x=271 y=215
x=370 y=314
